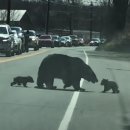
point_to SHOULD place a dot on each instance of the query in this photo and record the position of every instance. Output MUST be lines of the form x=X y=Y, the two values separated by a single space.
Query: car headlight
x=5 y=40
x=33 y=39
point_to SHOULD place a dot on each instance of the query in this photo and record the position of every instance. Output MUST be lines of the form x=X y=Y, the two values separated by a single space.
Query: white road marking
x=69 y=112
x=22 y=56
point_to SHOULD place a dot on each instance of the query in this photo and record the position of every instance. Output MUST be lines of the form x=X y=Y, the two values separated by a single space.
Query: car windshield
x=62 y=39
x=3 y=30
x=55 y=37
x=67 y=37
x=95 y=39
x=45 y=37
x=17 y=29
x=73 y=36
x=31 y=34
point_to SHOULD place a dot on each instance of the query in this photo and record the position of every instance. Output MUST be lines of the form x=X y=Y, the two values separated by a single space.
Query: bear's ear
x=105 y=79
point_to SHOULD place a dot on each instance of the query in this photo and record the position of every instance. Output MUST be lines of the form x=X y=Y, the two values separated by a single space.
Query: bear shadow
x=62 y=89
x=20 y=86
x=108 y=93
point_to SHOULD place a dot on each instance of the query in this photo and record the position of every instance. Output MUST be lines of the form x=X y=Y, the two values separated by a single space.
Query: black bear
x=69 y=69
x=22 y=80
x=108 y=85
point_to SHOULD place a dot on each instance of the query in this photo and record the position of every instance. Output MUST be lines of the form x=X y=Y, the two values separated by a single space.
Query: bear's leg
x=40 y=82
x=13 y=83
x=67 y=85
x=76 y=85
x=19 y=83
x=49 y=83
x=115 y=89
x=106 y=88
x=25 y=84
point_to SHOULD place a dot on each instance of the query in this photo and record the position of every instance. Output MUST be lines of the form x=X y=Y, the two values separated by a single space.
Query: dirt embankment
x=118 y=45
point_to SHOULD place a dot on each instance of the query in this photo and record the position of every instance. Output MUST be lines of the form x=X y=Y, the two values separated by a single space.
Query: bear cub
x=108 y=85
x=22 y=80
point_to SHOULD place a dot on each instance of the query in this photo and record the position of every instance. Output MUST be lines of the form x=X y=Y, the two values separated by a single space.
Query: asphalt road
x=39 y=109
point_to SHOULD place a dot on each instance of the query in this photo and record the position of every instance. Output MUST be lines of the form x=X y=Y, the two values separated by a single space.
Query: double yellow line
x=22 y=56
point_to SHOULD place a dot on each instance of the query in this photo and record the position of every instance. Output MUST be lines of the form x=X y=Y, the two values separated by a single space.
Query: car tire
x=52 y=46
x=36 y=48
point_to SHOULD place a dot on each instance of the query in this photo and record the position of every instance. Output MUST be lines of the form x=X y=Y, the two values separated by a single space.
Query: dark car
x=33 y=41
x=46 y=41
x=56 y=40
x=75 y=40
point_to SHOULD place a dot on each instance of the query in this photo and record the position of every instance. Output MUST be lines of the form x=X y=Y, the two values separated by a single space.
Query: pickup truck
x=6 y=40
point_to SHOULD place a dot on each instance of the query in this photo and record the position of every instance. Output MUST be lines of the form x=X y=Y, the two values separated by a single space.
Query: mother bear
x=69 y=69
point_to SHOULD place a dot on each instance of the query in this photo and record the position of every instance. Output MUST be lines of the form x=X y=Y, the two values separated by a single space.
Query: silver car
x=6 y=40
x=68 y=40
x=17 y=42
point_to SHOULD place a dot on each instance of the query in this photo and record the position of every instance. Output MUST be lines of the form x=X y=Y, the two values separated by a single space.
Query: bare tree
x=120 y=10
x=3 y=15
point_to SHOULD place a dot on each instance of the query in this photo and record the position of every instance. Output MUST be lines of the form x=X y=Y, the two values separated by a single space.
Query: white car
x=17 y=42
x=19 y=31
x=95 y=42
x=68 y=40
x=63 y=41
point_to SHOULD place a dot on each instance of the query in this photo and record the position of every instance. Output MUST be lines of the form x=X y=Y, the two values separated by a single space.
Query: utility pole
x=47 y=17
x=8 y=11
x=70 y=18
x=101 y=19
x=108 y=3
x=70 y=23
x=91 y=20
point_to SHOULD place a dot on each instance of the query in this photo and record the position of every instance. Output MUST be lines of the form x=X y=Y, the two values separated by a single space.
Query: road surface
x=39 y=109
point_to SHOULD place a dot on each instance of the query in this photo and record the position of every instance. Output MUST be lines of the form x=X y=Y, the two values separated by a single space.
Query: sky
x=88 y=2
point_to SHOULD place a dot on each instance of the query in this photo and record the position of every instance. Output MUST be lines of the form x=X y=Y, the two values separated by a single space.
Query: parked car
x=33 y=41
x=17 y=42
x=56 y=40
x=75 y=40
x=63 y=41
x=95 y=42
x=68 y=40
x=20 y=33
x=81 y=42
x=6 y=40
x=46 y=41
